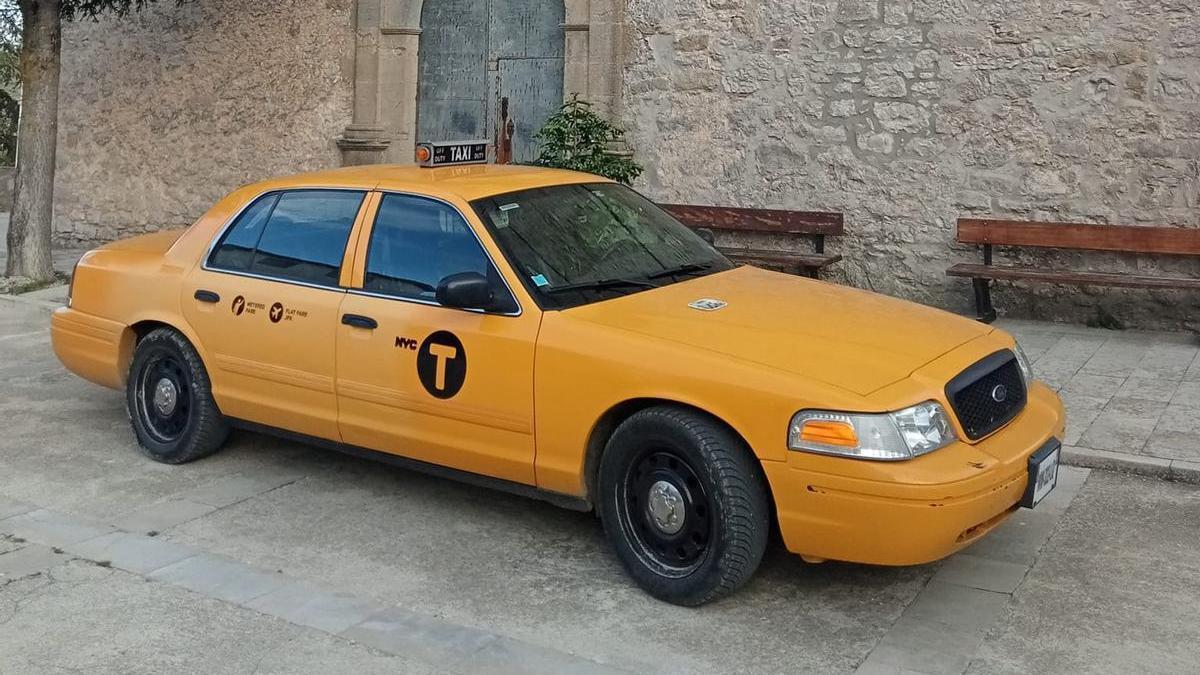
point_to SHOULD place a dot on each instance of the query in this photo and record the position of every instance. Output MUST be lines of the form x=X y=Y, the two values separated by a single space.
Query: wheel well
x=133 y=335
x=610 y=420
x=143 y=328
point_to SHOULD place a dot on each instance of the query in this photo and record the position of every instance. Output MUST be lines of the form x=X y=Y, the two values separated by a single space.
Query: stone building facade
x=903 y=114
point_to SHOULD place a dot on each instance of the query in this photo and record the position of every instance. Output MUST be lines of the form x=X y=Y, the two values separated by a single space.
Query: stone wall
x=164 y=112
x=906 y=114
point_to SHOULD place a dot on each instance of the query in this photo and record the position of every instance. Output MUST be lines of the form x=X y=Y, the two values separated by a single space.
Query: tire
x=702 y=534
x=169 y=400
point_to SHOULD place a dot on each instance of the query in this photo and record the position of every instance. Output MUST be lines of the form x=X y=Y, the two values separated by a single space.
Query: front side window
x=575 y=244
x=418 y=242
x=299 y=235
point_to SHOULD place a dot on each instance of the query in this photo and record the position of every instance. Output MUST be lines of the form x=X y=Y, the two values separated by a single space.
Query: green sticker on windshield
x=540 y=280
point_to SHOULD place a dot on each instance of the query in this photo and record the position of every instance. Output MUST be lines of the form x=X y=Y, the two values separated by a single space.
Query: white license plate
x=1043 y=475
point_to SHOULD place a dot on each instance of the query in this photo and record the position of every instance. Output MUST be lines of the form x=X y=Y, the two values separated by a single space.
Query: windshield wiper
x=689 y=268
x=601 y=284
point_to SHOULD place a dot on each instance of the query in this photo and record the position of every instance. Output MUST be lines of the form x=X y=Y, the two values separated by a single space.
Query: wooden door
x=474 y=54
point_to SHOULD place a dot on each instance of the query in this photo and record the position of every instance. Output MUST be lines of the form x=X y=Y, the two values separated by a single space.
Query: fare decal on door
x=277 y=313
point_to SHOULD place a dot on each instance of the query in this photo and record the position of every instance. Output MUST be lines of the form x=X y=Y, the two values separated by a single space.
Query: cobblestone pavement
x=277 y=557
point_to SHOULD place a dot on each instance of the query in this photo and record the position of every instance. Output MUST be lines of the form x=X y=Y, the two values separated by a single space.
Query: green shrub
x=577 y=138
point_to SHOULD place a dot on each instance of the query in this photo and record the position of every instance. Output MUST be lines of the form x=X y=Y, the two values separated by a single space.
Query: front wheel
x=170 y=402
x=684 y=505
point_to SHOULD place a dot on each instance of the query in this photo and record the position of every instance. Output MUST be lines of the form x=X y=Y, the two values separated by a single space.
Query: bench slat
x=773 y=221
x=1120 y=238
x=806 y=260
x=977 y=271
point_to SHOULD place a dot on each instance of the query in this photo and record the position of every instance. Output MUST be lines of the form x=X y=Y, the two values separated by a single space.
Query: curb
x=1177 y=470
x=18 y=301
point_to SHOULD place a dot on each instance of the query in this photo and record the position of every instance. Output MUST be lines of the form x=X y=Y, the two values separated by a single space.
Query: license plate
x=1043 y=474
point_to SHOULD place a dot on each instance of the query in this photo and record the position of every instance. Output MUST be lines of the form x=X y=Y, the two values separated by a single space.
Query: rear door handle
x=207 y=296
x=359 y=321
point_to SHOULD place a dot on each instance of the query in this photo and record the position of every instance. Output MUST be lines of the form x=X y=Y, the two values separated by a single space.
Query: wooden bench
x=814 y=225
x=1145 y=240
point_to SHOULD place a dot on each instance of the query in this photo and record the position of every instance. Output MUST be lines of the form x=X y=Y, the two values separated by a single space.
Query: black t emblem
x=276 y=312
x=239 y=305
x=442 y=364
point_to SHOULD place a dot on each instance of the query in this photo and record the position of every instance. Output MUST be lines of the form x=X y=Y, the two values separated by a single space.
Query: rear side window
x=417 y=242
x=296 y=236
x=236 y=250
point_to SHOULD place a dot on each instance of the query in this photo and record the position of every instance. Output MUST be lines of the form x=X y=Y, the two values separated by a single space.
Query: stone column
x=606 y=55
x=366 y=139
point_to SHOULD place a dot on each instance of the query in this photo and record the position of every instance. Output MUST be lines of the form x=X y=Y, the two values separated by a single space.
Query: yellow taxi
x=558 y=335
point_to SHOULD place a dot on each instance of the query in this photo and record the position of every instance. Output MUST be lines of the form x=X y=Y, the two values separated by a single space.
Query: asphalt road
x=277 y=557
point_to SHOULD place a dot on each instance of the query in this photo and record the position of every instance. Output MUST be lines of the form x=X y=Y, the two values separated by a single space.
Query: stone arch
x=386 y=70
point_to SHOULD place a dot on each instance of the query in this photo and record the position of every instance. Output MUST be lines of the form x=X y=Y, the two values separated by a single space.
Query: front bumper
x=922 y=516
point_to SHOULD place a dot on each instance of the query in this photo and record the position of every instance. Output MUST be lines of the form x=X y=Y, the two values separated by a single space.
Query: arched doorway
x=475 y=54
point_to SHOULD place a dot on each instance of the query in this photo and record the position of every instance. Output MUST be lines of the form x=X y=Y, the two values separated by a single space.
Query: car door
x=449 y=386
x=264 y=303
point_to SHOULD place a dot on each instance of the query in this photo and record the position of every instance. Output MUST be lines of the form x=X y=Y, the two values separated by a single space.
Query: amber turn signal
x=829 y=432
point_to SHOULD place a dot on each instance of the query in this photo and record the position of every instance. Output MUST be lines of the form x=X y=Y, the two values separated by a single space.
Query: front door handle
x=207 y=296
x=359 y=321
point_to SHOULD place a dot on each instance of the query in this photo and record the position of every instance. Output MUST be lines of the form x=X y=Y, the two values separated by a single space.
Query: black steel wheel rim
x=671 y=553
x=164 y=426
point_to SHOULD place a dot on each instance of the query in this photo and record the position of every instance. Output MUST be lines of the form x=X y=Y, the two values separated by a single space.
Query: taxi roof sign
x=452 y=153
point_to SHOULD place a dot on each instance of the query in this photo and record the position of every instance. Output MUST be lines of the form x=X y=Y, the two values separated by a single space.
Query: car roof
x=468 y=182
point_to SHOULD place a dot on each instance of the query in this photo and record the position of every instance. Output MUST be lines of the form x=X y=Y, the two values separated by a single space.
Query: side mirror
x=707 y=235
x=466 y=290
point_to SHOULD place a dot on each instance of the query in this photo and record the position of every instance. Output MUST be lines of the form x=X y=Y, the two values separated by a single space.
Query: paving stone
x=241 y=487
x=397 y=631
x=968 y=609
x=504 y=656
x=1160 y=389
x=1095 y=387
x=29 y=560
x=132 y=552
x=982 y=573
x=1116 y=358
x=1165 y=360
x=1187 y=394
x=870 y=667
x=1142 y=465
x=12 y=507
x=1124 y=426
x=1018 y=539
x=162 y=516
x=1177 y=435
x=907 y=659
x=1082 y=411
x=219 y=578
x=1070 y=481
x=51 y=528
x=926 y=646
x=306 y=605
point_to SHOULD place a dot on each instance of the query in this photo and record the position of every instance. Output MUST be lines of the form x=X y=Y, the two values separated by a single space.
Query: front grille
x=973 y=394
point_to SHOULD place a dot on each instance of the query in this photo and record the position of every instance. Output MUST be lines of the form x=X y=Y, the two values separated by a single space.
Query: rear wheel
x=683 y=504
x=170 y=402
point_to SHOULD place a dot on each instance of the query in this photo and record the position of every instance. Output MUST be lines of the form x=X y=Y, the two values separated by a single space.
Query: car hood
x=846 y=337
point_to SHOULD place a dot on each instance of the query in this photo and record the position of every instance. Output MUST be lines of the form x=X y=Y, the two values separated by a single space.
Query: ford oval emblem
x=999 y=393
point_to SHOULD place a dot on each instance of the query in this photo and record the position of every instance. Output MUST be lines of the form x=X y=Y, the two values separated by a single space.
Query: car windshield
x=575 y=244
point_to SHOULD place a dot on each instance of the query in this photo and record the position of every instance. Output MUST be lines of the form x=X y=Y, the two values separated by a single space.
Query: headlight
x=904 y=434
x=1026 y=366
